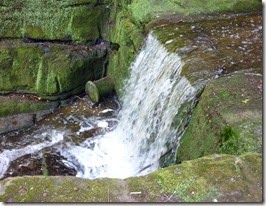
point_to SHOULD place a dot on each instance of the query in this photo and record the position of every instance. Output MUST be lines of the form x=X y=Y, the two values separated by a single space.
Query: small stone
x=75 y=189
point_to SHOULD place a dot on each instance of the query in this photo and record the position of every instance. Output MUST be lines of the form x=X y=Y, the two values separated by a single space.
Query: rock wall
x=49 y=70
x=32 y=61
x=48 y=49
x=227 y=119
x=76 y=20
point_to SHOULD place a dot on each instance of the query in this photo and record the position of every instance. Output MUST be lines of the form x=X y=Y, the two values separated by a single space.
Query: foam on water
x=7 y=156
x=153 y=95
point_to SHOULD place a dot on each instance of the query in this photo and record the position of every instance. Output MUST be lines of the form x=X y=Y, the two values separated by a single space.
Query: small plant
x=230 y=141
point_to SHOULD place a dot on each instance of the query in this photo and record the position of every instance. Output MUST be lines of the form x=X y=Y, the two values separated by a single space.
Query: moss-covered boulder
x=227 y=119
x=76 y=20
x=52 y=71
x=215 y=178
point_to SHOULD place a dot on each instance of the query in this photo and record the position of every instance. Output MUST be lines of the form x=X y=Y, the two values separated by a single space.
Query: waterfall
x=154 y=93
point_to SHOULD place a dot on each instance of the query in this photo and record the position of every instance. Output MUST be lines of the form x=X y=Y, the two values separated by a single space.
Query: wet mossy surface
x=221 y=178
x=227 y=119
x=216 y=45
x=130 y=38
x=217 y=125
x=16 y=104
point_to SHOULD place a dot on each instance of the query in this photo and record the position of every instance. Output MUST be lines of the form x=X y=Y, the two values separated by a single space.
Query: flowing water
x=126 y=144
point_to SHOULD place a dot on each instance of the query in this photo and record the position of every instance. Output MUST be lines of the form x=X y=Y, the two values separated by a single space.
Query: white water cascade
x=153 y=95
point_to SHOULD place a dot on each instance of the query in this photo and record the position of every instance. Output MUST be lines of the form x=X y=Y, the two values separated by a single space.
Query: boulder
x=20 y=111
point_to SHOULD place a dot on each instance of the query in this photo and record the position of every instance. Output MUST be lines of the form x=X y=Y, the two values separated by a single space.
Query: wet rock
x=50 y=164
x=203 y=180
x=16 y=122
x=56 y=165
x=215 y=46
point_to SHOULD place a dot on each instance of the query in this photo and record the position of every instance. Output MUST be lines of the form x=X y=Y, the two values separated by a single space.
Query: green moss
x=19 y=104
x=52 y=20
x=84 y=18
x=230 y=139
x=130 y=38
x=47 y=69
x=222 y=121
x=22 y=71
x=204 y=50
x=145 y=11
x=201 y=180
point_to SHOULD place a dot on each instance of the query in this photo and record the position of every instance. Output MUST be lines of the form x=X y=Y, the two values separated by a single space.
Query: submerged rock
x=215 y=178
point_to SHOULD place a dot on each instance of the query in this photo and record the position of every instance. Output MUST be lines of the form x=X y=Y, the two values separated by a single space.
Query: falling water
x=153 y=95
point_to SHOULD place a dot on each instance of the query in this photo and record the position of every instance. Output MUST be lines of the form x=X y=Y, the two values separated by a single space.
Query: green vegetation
x=52 y=71
x=145 y=11
x=79 y=21
x=221 y=178
x=222 y=126
x=129 y=37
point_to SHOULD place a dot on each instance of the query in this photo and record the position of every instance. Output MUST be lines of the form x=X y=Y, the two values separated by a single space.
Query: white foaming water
x=153 y=95
x=7 y=156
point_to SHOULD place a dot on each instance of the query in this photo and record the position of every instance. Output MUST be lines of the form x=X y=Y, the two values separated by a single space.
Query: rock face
x=227 y=119
x=225 y=55
x=49 y=70
x=46 y=50
x=215 y=178
x=76 y=20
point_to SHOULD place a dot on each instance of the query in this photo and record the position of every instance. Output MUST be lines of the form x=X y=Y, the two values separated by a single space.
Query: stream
x=108 y=140
x=132 y=137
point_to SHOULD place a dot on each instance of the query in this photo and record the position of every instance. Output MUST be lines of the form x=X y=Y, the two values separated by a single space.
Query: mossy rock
x=75 y=20
x=19 y=111
x=145 y=11
x=16 y=104
x=215 y=178
x=130 y=38
x=227 y=119
x=215 y=45
x=52 y=71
